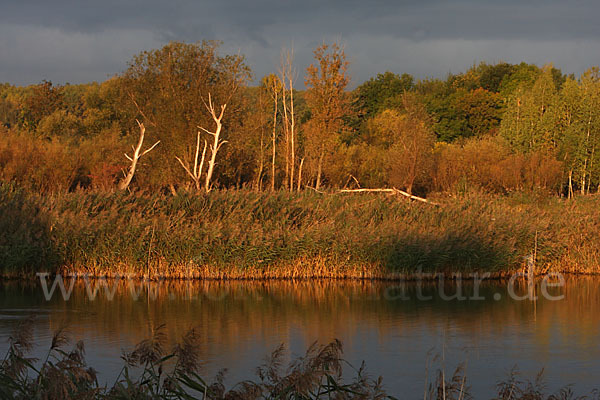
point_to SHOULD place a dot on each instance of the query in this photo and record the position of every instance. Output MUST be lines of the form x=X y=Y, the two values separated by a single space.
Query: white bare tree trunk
x=217 y=143
x=287 y=78
x=276 y=91
x=261 y=164
x=320 y=169
x=196 y=172
x=300 y=173
x=137 y=154
x=286 y=129
x=292 y=126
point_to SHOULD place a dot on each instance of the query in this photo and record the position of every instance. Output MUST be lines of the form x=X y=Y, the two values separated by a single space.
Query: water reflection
x=379 y=322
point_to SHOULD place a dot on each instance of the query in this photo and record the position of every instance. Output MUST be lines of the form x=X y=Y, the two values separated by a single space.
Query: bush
x=54 y=165
x=489 y=164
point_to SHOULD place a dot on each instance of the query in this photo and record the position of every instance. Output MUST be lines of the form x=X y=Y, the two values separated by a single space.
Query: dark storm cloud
x=78 y=40
x=431 y=19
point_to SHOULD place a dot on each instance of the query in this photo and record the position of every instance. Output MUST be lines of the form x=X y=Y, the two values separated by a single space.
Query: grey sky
x=79 y=41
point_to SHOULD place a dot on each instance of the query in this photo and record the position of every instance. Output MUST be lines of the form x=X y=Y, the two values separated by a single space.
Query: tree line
x=195 y=122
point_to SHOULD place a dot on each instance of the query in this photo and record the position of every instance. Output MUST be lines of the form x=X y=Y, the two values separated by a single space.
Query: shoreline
x=224 y=277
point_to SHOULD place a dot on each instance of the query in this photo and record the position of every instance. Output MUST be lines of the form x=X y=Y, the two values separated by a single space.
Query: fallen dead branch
x=391 y=191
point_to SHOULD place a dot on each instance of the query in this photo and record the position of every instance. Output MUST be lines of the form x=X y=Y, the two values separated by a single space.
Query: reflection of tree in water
x=228 y=312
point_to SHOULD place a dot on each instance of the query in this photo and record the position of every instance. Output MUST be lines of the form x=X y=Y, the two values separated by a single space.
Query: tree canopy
x=500 y=126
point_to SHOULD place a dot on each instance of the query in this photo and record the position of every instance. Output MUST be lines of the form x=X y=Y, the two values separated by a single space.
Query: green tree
x=441 y=99
x=491 y=76
x=523 y=76
x=590 y=137
x=481 y=110
x=528 y=123
x=578 y=123
x=102 y=111
x=382 y=92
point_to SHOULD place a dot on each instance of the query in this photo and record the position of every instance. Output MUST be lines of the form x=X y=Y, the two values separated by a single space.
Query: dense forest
x=195 y=122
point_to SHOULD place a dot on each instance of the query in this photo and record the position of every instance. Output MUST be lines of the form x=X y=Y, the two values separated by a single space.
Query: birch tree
x=568 y=115
x=590 y=123
x=528 y=120
x=578 y=124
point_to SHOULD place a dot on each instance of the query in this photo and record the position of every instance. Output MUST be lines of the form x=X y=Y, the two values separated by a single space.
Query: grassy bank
x=244 y=234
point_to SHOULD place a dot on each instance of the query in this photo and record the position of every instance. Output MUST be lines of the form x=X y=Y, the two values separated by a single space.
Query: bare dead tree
x=391 y=191
x=274 y=143
x=261 y=163
x=214 y=148
x=124 y=184
x=287 y=80
x=196 y=172
x=286 y=122
x=292 y=131
x=300 y=173
x=273 y=84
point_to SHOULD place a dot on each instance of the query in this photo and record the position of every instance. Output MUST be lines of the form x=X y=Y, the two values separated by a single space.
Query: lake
x=397 y=329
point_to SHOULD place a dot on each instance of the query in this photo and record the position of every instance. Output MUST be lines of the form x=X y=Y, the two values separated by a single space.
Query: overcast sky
x=79 y=41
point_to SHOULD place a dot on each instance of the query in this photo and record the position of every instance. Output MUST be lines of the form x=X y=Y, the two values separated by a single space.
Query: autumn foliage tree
x=165 y=88
x=500 y=127
x=326 y=82
x=410 y=139
x=44 y=100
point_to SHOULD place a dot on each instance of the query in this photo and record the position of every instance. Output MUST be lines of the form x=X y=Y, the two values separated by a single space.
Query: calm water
x=243 y=321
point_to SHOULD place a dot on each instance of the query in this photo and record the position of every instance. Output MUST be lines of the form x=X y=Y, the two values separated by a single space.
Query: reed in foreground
x=151 y=371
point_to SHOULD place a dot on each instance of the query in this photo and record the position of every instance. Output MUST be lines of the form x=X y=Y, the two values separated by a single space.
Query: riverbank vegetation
x=231 y=180
x=249 y=234
x=152 y=371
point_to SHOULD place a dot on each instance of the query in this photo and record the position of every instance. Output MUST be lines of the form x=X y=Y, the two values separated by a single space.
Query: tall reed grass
x=245 y=234
x=153 y=371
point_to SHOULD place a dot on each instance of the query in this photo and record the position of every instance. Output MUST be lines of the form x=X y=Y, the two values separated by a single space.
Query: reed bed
x=151 y=370
x=248 y=235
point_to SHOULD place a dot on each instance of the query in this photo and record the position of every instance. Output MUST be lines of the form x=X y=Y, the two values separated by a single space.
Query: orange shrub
x=54 y=165
x=489 y=164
